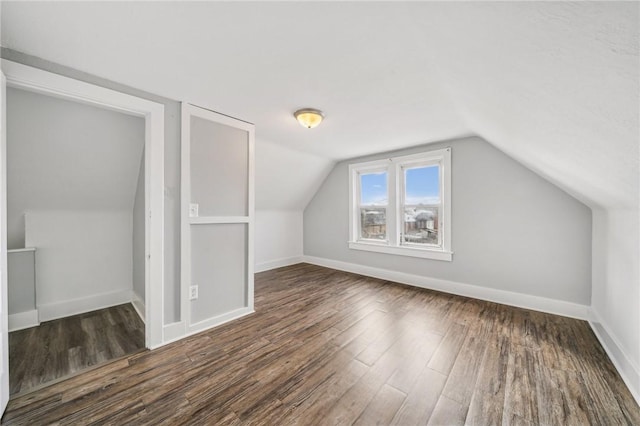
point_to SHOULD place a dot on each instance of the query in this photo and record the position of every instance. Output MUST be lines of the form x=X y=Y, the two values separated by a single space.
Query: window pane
x=373 y=224
x=422 y=185
x=373 y=189
x=421 y=225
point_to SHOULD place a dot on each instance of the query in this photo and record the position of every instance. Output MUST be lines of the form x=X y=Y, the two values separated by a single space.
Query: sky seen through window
x=421 y=186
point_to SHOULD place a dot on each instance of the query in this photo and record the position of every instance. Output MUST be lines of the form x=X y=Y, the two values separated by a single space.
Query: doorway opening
x=75 y=236
x=88 y=244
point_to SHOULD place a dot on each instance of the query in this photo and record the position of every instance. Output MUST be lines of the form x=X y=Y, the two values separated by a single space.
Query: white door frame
x=186 y=327
x=4 y=307
x=44 y=82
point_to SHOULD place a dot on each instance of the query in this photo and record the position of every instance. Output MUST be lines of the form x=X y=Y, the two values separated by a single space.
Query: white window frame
x=395 y=167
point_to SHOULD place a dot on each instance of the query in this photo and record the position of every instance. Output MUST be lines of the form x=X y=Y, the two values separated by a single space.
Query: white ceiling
x=287 y=179
x=555 y=85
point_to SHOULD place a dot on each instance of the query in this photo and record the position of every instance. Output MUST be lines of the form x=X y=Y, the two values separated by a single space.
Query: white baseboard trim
x=23 y=320
x=219 y=320
x=138 y=305
x=51 y=311
x=627 y=369
x=171 y=333
x=277 y=263
x=536 y=303
x=178 y=330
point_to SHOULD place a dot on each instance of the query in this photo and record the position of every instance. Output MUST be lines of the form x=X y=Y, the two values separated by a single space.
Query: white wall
x=83 y=260
x=63 y=155
x=278 y=238
x=616 y=289
x=286 y=180
x=512 y=231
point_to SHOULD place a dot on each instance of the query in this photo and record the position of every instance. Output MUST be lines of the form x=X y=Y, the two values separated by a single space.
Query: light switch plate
x=193 y=210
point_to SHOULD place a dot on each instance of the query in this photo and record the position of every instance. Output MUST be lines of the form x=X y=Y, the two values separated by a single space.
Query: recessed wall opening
x=76 y=236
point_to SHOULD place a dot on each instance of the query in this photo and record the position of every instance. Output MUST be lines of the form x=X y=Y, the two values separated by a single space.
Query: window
x=372 y=205
x=402 y=205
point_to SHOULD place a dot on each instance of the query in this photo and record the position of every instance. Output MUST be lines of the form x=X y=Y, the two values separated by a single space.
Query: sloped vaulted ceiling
x=554 y=85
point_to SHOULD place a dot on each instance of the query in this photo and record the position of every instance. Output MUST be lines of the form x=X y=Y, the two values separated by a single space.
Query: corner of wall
x=138 y=304
x=624 y=363
x=615 y=290
x=22 y=320
x=278 y=238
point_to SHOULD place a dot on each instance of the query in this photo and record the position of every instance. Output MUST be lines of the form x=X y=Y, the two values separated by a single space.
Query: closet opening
x=75 y=237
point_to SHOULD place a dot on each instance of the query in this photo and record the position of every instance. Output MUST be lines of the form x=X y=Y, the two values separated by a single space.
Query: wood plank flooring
x=59 y=348
x=326 y=347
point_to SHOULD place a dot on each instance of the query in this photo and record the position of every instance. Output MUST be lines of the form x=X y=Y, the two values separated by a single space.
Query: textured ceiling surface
x=554 y=85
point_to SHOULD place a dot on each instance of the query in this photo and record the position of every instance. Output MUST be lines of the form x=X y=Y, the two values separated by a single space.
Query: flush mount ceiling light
x=309 y=117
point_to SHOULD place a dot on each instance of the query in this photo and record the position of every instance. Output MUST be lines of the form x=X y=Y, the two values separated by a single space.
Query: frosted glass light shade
x=309 y=117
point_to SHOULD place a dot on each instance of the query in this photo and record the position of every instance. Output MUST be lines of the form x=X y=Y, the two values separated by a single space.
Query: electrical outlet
x=193 y=292
x=193 y=210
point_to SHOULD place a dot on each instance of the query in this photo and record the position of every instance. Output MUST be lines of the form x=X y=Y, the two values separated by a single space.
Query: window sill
x=403 y=251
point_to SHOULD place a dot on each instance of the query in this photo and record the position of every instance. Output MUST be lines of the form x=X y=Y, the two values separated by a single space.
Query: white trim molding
x=21 y=250
x=278 y=263
x=39 y=81
x=138 y=305
x=23 y=320
x=208 y=220
x=172 y=332
x=176 y=331
x=628 y=370
x=219 y=320
x=51 y=311
x=185 y=325
x=403 y=251
x=526 y=301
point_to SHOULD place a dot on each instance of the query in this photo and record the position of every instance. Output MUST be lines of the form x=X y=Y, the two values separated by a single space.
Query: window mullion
x=399 y=198
x=356 y=210
x=394 y=193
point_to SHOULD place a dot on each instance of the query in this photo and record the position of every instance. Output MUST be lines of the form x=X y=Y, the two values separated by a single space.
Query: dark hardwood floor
x=59 y=348
x=327 y=347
